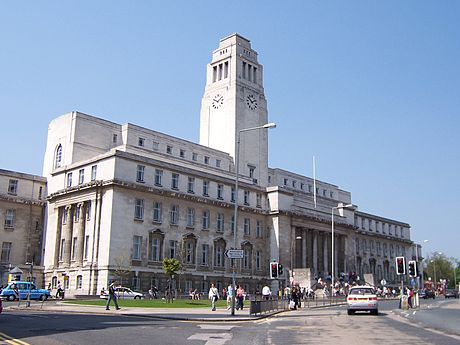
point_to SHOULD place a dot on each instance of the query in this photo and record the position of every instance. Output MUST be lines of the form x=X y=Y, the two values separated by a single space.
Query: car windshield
x=361 y=291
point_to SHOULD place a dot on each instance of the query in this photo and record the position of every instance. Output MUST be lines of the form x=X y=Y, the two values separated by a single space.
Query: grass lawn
x=155 y=303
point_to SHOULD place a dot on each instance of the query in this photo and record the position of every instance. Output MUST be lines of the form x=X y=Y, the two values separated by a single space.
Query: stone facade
x=22 y=217
x=122 y=197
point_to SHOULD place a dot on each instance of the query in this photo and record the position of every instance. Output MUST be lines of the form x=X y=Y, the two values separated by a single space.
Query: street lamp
x=338 y=207
x=235 y=221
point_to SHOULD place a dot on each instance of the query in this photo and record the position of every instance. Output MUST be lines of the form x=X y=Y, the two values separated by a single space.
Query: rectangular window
x=157 y=212
x=214 y=74
x=194 y=156
x=114 y=138
x=258 y=260
x=205 y=188
x=141 y=142
x=69 y=180
x=244 y=70
x=81 y=176
x=285 y=182
x=65 y=215
x=246 y=197
x=169 y=149
x=85 y=252
x=206 y=160
x=247 y=226
x=154 y=250
x=140 y=173
x=40 y=193
x=246 y=259
x=174 y=215
x=88 y=210
x=232 y=197
x=258 y=200
x=254 y=76
x=158 y=177
x=190 y=217
x=225 y=69
x=6 y=251
x=139 y=209
x=61 y=250
x=175 y=181
x=259 y=229
x=155 y=145
x=77 y=213
x=79 y=282
x=93 y=172
x=13 y=187
x=182 y=153
x=220 y=222
x=191 y=185
x=189 y=252
x=172 y=249
x=219 y=258
x=74 y=248
x=137 y=244
x=220 y=191
x=204 y=254
x=9 y=218
x=218 y=163
x=205 y=220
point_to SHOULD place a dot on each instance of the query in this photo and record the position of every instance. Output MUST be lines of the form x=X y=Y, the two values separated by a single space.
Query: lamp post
x=338 y=207
x=235 y=212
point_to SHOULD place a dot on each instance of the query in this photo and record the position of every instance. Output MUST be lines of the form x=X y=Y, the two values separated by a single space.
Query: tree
x=122 y=268
x=438 y=266
x=170 y=266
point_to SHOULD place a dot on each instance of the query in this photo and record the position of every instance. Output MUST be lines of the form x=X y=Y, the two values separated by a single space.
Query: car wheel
x=375 y=312
x=10 y=298
x=137 y=297
x=350 y=312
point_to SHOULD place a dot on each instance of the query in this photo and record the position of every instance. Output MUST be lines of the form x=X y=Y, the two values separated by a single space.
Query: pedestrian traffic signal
x=273 y=270
x=280 y=270
x=412 y=268
x=400 y=265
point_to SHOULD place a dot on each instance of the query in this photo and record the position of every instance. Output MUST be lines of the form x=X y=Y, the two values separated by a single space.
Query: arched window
x=58 y=157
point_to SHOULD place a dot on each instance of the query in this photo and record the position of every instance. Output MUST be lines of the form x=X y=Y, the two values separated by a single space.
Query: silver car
x=362 y=298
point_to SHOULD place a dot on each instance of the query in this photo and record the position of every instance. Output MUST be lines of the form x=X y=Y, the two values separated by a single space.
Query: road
x=305 y=326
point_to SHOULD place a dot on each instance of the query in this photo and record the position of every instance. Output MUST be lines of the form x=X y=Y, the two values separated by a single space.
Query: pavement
x=186 y=314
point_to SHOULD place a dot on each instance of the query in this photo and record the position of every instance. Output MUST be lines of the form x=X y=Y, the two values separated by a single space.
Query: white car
x=362 y=298
x=123 y=293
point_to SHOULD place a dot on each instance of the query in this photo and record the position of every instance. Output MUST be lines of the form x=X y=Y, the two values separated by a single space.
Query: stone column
x=304 y=248
x=325 y=254
x=315 y=252
x=80 y=234
x=57 y=244
x=67 y=234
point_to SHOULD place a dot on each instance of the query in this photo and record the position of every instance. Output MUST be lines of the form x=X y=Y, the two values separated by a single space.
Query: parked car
x=122 y=293
x=424 y=293
x=18 y=289
x=451 y=293
x=362 y=298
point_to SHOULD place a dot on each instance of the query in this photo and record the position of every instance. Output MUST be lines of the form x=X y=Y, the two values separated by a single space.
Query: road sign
x=234 y=253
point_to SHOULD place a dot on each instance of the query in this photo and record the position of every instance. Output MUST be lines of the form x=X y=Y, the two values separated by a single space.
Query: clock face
x=251 y=102
x=217 y=101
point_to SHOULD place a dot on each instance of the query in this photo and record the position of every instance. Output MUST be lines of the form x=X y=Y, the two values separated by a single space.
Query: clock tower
x=233 y=100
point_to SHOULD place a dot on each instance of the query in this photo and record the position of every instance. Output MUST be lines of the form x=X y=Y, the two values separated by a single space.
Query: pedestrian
x=213 y=296
x=266 y=293
x=59 y=290
x=229 y=296
x=112 y=296
x=240 y=296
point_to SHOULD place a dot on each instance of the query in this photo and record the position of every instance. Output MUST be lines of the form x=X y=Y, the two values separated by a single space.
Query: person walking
x=213 y=296
x=59 y=290
x=240 y=296
x=112 y=296
x=229 y=296
x=266 y=293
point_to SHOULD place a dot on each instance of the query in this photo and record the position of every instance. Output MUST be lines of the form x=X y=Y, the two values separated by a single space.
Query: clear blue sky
x=371 y=88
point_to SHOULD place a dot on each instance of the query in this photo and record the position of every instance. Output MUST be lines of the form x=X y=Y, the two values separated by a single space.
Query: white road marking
x=212 y=338
x=211 y=326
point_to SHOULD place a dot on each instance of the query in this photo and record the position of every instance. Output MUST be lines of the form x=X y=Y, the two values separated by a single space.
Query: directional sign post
x=234 y=253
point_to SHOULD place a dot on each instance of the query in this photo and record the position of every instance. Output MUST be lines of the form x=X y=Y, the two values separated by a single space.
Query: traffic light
x=400 y=265
x=412 y=268
x=280 y=270
x=273 y=270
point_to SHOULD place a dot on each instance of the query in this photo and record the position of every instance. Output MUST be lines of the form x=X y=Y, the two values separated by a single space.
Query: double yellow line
x=6 y=339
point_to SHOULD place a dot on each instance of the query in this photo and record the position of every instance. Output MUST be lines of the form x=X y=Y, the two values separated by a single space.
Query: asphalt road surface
x=305 y=326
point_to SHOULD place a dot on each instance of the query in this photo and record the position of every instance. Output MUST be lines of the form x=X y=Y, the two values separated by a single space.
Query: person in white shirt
x=213 y=296
x=229 y=296
x=266 y=293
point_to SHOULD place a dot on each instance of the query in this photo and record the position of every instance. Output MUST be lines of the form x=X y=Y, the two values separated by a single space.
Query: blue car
x=17 y=289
